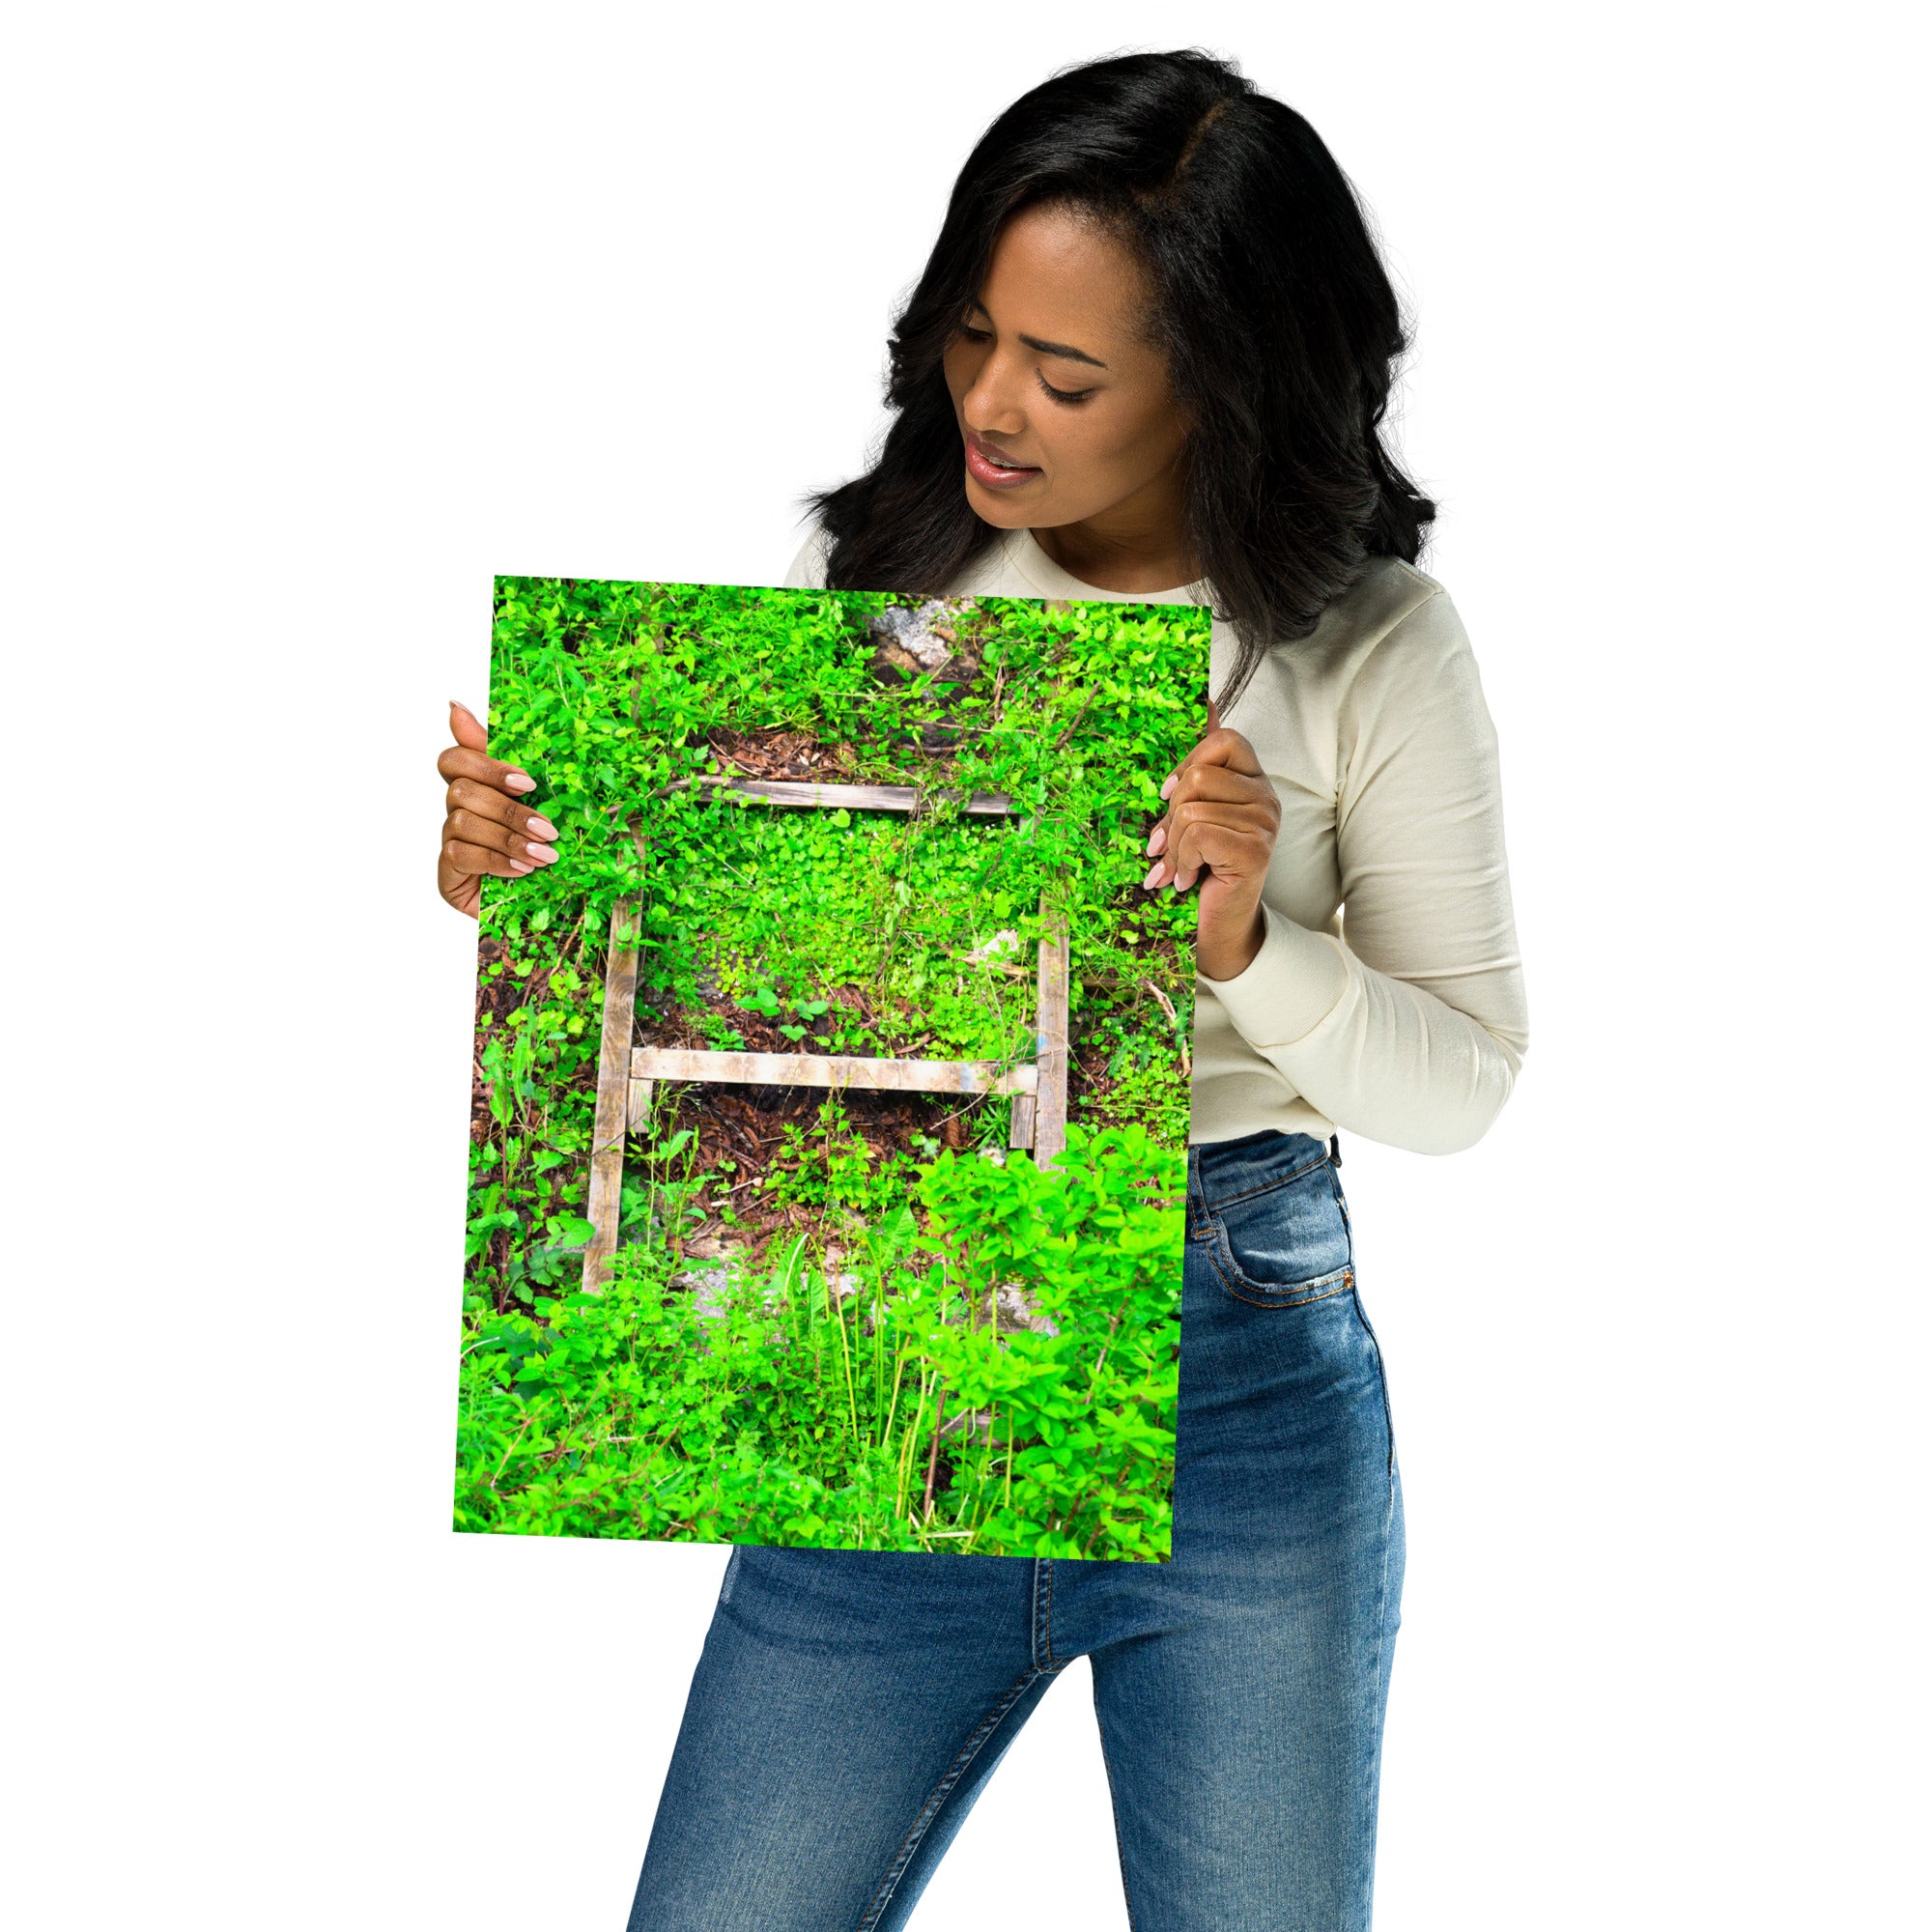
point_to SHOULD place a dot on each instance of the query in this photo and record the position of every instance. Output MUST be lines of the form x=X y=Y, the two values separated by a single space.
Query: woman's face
x=1064 y=408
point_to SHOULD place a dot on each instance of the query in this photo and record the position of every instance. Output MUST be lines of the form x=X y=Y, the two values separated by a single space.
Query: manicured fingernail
x=543 y=853
x=540 y=828
x=519 y=782
x=1152 y=877
x=1169 y=785
x=518 y=867
x=1158 y=839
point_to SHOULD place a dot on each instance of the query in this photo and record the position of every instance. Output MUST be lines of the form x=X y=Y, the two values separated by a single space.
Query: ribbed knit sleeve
x=1409 y=1026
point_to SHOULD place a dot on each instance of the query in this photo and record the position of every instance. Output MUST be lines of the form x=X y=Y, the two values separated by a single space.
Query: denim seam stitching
x=1344 y=1287
x=1043 y=1618
x=1229 y=1199
x=917 y=1831
x=1388 y=1409
x=1114 y=1805
x=1371 y=1780
x=1235 y=1281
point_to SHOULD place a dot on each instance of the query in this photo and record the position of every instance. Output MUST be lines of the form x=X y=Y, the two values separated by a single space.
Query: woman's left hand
x=1222 y=815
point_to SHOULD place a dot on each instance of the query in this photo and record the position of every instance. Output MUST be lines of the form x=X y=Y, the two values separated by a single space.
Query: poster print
x=829 y=1126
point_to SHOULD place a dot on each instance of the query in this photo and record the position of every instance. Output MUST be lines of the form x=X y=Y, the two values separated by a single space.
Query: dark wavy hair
x=1269 y=301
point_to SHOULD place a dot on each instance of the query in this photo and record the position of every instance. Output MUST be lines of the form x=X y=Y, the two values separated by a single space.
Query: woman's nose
x=991 y=405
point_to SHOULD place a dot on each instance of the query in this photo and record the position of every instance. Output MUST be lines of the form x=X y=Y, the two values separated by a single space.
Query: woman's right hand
x=487 y=828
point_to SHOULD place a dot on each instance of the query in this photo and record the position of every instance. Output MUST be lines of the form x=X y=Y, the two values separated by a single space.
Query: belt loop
x=1335 y=1149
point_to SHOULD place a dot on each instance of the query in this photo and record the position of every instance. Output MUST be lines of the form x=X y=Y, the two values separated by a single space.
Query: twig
x=1173 y=1020
x=1059 y=744
x=514 y=1441
x=1101 y=1361
x=932 y=1461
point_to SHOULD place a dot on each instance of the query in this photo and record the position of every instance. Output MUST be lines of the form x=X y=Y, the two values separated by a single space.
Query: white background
x=321 y=315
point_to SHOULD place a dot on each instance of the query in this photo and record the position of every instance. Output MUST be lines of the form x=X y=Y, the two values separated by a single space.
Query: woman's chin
x=998 y=507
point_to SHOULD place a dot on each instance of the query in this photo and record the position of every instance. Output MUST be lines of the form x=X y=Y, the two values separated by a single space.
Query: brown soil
x=774 y=753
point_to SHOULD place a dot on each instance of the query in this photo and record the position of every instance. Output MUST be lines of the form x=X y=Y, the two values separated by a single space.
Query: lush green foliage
x=792 y=1413
x=627 y=1413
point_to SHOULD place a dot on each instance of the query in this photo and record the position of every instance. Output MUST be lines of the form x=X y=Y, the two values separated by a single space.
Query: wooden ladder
x=627 y=1074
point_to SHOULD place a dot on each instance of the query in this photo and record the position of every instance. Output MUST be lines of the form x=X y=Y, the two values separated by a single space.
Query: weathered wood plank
x=639 y=1104
x=1021 y=1133
x=832 y=1069
x=1049 y=1117
x=855 y=797
x=613 y=1080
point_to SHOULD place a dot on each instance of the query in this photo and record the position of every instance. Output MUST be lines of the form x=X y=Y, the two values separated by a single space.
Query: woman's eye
x=975 y=334
x=1063 y=395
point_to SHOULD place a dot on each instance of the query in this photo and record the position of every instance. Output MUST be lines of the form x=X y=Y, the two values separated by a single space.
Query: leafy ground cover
x=846 y=1319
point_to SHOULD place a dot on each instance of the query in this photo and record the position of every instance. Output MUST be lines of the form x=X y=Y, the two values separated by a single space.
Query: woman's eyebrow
x=1062 y=349
x=1065 y=349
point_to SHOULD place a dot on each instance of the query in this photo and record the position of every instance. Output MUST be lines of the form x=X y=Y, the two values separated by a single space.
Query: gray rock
x=1002 y=949
x=913 y=632
x=1015 y=1314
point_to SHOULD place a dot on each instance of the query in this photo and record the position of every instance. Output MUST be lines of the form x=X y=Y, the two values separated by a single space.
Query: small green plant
x=720 y=1034
x=808 y=1010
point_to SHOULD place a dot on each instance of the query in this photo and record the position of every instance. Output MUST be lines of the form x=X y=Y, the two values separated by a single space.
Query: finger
x=462 y=890
x=466 y=728
x=460 y=761
x=470 y=795
x=1231 y=851
x=1220 y=786
x=1239 y=837
x=457 y=856
x=1217 y=782
x=1214 y=714
x=1223 y=746
x=492 y=835
x=1220 y=747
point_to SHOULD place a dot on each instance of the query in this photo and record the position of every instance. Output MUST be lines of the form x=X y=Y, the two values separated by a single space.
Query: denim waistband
x=1219 y=1171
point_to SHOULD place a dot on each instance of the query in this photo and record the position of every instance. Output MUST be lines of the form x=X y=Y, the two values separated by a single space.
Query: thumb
x=1213 y=716
x=466 y=728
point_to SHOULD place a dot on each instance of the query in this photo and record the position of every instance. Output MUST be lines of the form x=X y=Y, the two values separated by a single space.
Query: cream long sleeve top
x=1387 y=996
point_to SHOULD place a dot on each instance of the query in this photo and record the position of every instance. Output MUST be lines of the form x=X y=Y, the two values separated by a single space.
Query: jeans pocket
x=1286 y=1243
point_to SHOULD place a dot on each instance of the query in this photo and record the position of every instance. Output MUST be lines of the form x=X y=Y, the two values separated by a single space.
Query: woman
x=1149 y=359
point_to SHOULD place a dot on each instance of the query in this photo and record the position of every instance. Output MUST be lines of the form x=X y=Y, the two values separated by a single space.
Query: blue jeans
x=849 y=1705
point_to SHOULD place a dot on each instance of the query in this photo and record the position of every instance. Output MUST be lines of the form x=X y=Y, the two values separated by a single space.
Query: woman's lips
x=987 y=466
